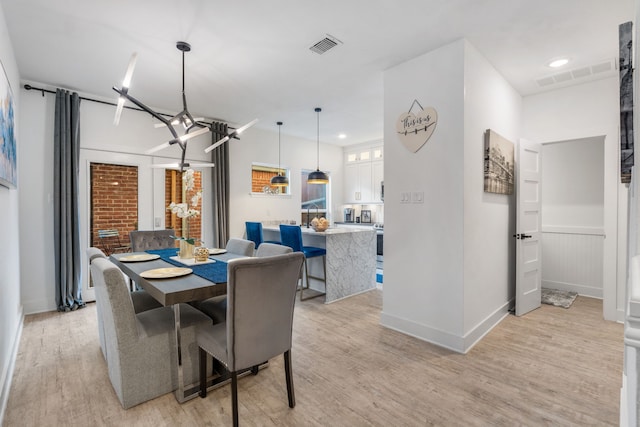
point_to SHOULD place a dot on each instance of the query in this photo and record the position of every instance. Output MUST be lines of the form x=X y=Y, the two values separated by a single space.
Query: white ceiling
x=251 y=58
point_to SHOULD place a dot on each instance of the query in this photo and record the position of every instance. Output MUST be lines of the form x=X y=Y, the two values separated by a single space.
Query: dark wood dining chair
x=261 y=296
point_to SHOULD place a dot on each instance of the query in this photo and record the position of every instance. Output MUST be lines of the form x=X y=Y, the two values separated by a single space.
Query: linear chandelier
x=192 y=126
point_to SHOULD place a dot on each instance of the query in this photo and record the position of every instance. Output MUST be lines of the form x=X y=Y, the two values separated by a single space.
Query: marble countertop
x=330 y=230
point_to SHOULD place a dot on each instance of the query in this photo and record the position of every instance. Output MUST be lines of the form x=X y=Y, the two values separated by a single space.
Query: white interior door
x=528 y=228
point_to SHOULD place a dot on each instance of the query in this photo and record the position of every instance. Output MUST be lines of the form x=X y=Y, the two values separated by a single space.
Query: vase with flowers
x=186 y=211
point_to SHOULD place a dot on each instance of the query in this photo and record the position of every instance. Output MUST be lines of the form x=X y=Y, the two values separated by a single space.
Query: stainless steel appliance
x=349 y=215
x=379 y=242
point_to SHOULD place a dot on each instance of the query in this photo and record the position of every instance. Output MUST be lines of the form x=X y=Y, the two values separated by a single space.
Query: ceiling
x=251 y=58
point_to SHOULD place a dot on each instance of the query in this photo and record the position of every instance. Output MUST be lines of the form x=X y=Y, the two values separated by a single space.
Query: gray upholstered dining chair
x=240 y=247
x=270 y=249
x=141 y=350
x=216 y=307
x=93 y=253
x=142 y=240
x=261 y=296
x=141 y=300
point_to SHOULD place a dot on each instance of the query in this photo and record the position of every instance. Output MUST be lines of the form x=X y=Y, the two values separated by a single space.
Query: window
x=261 y=174
x=314 y=200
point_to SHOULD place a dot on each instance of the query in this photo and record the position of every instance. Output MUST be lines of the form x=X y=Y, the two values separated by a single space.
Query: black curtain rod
x=29 y=87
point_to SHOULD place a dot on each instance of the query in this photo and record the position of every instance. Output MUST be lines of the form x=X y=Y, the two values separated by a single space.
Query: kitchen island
x=351 y=259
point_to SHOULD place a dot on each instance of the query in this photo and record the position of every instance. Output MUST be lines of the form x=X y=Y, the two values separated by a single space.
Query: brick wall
x=260 y=179
x=114 y=201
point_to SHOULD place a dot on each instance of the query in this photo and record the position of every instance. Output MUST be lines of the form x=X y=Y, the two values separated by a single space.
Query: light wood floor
x=551 y=367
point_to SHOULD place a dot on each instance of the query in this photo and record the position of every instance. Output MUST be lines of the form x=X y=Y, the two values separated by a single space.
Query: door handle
x=522 y=236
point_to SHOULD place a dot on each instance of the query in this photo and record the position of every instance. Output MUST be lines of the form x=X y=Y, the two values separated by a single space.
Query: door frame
x=615 y=223
x=145 y=200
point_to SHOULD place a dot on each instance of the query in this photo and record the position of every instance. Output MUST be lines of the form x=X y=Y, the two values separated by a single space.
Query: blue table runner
x=215 y=272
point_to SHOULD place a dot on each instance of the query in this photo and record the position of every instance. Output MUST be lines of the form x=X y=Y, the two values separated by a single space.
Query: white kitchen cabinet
x=363 y=175
x=377 y=174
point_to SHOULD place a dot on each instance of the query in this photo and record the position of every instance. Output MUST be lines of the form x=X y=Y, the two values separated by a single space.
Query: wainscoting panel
x=572 y=260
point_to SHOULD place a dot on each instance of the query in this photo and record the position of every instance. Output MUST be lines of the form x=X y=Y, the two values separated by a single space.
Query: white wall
x=10 y=305
x=296 y=154
x=423 y=263
x=489 y=219
x=585 y=111
x=134 y=135
x=448 y=262
x=573 y=183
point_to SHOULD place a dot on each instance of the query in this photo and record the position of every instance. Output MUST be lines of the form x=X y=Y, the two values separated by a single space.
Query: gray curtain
x=66 y=228
x=220 y=184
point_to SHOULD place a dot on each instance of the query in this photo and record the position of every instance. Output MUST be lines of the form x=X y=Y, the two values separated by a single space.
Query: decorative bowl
x=320 y=225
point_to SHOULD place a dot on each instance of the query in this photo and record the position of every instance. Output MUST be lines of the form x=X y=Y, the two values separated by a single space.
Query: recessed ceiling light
x=342 y=136
x=558 y=62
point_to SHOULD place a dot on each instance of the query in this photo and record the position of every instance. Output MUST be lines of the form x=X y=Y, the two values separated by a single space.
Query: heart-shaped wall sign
x=414 y=130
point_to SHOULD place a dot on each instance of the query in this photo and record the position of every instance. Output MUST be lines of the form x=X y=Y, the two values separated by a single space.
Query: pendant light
x=279 y=180
x=318 y=177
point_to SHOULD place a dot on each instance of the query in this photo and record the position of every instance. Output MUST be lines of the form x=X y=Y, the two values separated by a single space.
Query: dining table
x=206 y=279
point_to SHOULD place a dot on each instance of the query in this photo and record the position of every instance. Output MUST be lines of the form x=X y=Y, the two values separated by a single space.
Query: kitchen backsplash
x=376 y=213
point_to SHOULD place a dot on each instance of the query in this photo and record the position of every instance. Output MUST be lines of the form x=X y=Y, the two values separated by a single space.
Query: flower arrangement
x=187 y=210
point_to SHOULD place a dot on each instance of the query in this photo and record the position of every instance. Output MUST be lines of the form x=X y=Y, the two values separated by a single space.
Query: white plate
x=166 y=273
x=139 y=257
x=217 y=251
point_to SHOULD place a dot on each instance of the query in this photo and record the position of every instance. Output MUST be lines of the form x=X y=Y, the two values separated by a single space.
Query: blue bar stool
x=291 y=236
x=254 y=233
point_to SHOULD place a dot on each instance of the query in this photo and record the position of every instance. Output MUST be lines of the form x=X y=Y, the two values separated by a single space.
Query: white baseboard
x=7 y=371
x=587 y=291
x=447 y=339
x=483 y=328
x=34 y=306
x=423 y=332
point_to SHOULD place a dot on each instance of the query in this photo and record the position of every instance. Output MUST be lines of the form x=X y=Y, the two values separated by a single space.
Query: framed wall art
x=8 y=166
x=498 y=164
x=626 y=101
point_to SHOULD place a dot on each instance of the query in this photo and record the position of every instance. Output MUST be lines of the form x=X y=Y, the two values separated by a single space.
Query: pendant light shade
x=279 y=180
x=318 y=177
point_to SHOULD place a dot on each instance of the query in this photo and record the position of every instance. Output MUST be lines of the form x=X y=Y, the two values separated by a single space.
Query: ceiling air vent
x=328 y=42
x=579 y=75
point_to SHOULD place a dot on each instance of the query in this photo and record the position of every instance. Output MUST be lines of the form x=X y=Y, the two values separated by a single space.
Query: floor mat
x=558 y=298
